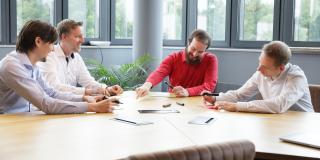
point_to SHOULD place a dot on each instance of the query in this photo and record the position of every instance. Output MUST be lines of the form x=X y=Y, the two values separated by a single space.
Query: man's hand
x=180 y=91
x=228 y=106
x=208 y=99
x=114 y=90
x=104 y=106
x=143 y=90
x=92 y=99
x=89 y=99
x=94 y=91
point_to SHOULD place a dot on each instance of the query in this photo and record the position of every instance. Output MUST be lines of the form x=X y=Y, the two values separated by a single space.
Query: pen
x=168 y=84
x=210 y=94
x=180 y=104
x=127 y=121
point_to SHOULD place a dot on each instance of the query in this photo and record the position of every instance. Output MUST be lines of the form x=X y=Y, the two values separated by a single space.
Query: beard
x=192 y=60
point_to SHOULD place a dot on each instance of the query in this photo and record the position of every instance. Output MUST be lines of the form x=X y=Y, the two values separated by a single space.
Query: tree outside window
x=87 y=11
x=34 y=10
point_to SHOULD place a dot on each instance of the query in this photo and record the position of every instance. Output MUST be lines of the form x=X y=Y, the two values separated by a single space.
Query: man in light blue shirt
x=21 y=83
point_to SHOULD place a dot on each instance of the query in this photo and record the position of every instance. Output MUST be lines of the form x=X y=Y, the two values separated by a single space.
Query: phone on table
x=202 y=120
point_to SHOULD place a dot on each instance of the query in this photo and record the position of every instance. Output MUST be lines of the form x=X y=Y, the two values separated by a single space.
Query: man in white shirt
x=282 y=86
x=65 y=70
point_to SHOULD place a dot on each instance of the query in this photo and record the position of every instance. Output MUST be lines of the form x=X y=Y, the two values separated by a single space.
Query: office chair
x=315 y=96
x=233 y=150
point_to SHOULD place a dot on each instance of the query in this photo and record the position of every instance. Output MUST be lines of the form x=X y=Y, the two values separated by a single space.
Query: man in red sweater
x=191 y=70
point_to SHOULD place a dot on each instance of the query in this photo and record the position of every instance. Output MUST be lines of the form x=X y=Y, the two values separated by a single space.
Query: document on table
x=131 y=120
x=306 y=139
x=162 y=94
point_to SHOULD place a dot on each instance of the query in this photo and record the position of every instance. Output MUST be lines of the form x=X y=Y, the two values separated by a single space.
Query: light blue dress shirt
x=21 y=83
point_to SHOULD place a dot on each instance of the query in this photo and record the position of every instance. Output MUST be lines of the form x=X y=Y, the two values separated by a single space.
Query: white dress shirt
x=21 y=83
x=66 y=73
x=289 y=90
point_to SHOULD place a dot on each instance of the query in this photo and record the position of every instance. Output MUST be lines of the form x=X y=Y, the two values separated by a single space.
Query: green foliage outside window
x=34 y=10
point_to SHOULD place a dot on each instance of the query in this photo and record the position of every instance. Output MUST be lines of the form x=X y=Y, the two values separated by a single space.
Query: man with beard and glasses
x=64 y=68
x=191 y=70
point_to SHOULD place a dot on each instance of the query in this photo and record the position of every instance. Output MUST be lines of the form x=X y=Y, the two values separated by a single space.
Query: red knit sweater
x=194 y=77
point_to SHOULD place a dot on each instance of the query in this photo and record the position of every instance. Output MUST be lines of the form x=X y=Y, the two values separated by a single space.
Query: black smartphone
x=210 y=94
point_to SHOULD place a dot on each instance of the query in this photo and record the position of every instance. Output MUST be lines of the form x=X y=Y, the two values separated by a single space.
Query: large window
x=87 y=11
x=230 y=23
x=123 y=19
x=256 y=20
x=173 y=14
x=212 y=18
x=34 y=9
x=307 y=20
x=172 y=19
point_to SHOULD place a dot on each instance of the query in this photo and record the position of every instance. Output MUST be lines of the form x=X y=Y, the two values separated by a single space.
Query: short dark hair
x=201 y=35
x=279 y=51
x=66 y=25
x=30 y=31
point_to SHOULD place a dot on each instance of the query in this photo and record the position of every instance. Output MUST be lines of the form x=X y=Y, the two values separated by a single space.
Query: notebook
x=306 y=139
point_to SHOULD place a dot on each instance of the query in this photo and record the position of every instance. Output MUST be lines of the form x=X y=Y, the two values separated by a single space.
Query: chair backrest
x=233 y=150
x=315 y=96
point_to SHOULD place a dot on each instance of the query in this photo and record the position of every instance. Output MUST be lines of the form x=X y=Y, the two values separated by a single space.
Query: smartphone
x=202 y=120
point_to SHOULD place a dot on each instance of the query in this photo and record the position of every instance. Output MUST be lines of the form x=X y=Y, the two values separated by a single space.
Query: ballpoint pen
x=168 y=84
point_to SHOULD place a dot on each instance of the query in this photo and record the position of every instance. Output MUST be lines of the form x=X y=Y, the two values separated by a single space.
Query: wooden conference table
x=94 y=136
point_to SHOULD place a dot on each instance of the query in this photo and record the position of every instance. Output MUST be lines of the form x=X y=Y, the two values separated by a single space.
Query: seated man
x=191 y=70
x=64 y=68
x=282 y=85
x=21 y=83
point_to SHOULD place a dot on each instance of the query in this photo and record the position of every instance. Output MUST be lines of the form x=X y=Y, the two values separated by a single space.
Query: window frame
x=289 y=26
x=104 y=14
x=60 y=13
x=13 y=19
x=283 y=27
x=181 y=42
x=183 y=37
x=115 y=41
x=215 y=43
x=235 y=28
x=4 y=25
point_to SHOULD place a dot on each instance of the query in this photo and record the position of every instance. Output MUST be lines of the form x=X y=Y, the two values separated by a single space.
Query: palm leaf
x=128 y=76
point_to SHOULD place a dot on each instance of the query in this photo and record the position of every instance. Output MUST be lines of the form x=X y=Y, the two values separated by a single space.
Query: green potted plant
x=128 y=76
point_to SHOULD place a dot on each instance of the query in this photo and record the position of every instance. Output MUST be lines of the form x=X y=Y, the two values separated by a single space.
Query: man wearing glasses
x=191 y=70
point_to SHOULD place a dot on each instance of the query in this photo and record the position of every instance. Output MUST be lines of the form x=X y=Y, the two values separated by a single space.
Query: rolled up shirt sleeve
x=36 y=91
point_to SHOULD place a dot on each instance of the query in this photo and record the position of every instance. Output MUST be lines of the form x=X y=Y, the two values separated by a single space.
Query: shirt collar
x=24 y=59
x=273 y=78
x=60 y=53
